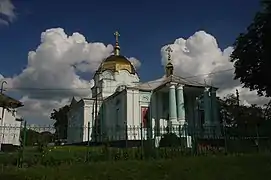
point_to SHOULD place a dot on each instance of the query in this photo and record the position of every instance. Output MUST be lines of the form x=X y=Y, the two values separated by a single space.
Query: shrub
x=170 y=140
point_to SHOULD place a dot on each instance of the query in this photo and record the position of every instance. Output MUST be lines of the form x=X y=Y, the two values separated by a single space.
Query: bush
x=170 y=140
x=9 y=148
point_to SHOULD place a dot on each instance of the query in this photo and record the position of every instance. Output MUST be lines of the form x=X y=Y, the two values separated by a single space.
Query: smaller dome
x=116 y=63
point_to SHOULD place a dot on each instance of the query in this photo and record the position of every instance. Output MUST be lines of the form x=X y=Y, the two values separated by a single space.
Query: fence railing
x=119 y=142
x=34 y=134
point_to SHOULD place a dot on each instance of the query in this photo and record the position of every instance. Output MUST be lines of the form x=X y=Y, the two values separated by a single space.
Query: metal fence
x=130 y=142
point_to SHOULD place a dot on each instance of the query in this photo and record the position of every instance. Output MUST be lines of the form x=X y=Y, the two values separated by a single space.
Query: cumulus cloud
x=53 y=71
x=199 y=55
x=135 y=62
x=37 y=111
x=55 y=64
x=7 y=12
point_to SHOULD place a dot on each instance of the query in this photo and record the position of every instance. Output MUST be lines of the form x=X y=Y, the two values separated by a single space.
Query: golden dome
x=116 y=63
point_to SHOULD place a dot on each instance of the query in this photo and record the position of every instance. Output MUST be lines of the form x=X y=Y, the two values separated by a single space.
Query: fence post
x=257 y=136
x=126 y=134
x=87 y=158
x=141 y=134
x=194 y=145
x=225 y=138
x=21 y=154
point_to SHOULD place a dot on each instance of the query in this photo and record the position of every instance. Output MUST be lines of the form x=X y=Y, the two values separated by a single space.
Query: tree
x=251 y=55
x=229 y=109
x=61 y=124
x=245 y=120
x=34 y=137
x=234 y=114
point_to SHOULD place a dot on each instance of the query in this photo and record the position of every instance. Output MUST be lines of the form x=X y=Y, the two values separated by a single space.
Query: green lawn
x=247 y=167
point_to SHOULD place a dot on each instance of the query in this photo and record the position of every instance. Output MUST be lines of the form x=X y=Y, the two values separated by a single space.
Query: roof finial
x=117 y=47
x=169 y=51
x=169 y=66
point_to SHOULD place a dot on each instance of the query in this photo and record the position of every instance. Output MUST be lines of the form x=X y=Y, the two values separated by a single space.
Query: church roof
x=116 y=63
x=73 y=101
x=9 y=102
x=151 y=85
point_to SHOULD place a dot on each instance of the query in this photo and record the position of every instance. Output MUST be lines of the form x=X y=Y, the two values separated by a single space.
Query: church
x=10 y=122
x=124 y=108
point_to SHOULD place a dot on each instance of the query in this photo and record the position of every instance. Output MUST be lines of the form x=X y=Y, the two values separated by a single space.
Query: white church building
x=10 y=124
x=124 y=108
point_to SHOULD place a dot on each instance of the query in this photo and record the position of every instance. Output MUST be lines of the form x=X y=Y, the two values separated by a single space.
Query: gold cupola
x=117 y=62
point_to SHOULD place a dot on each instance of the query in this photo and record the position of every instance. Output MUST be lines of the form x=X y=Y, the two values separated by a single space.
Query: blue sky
x=145 y=26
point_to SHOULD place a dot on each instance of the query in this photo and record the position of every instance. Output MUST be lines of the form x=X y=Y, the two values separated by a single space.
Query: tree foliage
x=170 y=140
x=61 y=121
x=251 y=55
x=34 y=137
x=239 y=117
x=234 y=114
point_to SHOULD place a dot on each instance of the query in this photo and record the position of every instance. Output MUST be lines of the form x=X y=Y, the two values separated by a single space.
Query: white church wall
x=76 y=124
x=78 y=119
x=153 y=108
x=161 y=121
x=144 y=103
x=109 y=81
x=88 y=118
x=125 y=77
x=109 y=121
x=9 y=128
x=133 y=114
x=115 y=118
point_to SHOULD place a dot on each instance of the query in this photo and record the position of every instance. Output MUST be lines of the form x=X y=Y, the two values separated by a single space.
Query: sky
x=40 y=41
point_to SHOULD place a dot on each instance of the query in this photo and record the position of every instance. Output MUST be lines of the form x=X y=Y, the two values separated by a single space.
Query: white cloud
x=56 y=64
x=7 y=9
x=200 y=54
x=59 y=59
x=135 y=62
x=37 y=111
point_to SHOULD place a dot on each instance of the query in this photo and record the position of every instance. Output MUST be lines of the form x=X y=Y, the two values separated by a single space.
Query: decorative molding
x=172 y=86
x=145 y=98
x=207 y=89
x=180 y=86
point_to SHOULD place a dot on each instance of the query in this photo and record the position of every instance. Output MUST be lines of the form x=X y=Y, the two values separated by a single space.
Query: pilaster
x=207 y=108
x=215 y=113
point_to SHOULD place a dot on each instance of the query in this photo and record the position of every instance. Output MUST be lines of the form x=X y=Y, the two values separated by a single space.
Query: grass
x=54 y=156
x=247 y=167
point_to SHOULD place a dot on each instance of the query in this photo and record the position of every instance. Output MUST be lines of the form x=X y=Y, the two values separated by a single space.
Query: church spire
x=117 y=47
x=169 y=67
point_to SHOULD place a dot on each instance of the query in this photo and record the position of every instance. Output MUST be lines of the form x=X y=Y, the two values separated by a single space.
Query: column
x=180 y=105
x=172 y=105
x=157 y=119
x=215 y=110
x=155 y=113
x=150 y=118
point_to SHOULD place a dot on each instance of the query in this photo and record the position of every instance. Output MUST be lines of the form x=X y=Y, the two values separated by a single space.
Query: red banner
x=144 y=111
